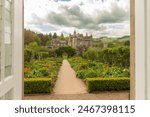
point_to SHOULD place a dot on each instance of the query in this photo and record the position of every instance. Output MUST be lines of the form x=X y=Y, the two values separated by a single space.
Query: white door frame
x=142 y=49
x=19 y=49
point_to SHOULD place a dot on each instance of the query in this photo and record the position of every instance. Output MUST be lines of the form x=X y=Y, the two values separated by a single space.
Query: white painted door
x=10 y=38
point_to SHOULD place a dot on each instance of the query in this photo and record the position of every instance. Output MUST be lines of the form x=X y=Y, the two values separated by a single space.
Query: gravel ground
x=112 y=95
x=67 y=83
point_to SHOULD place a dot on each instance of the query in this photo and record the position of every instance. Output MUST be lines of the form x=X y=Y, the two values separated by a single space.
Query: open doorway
x=86 y=41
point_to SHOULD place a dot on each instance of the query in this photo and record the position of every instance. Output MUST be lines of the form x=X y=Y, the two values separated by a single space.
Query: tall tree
x=62 y=36
x=37 y=39
x=55 y=35
x=28 y=37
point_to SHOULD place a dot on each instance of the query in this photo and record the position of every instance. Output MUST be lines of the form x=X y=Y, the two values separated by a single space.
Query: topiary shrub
x=107 y=84
x=37 y=85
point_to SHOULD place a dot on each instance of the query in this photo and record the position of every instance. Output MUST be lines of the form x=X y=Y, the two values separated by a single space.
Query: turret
x=74 y=32
x=91 y=36
x=69 y=35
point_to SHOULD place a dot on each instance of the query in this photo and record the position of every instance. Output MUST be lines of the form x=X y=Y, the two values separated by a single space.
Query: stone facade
x=75 y=40
x=78 y=40
x=55 y=43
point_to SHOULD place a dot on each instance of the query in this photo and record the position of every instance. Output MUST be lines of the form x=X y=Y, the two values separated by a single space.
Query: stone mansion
x=75 y=40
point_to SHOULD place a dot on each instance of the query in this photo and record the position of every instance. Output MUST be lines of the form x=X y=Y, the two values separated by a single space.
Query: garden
x=102 y=69
x=40 y=75
x=91 y=69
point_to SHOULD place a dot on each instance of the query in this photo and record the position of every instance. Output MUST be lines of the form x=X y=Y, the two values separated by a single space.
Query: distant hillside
x=112 y=39
x=127 y=36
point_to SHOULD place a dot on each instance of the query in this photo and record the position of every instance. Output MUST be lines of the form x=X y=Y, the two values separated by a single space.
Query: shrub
x=69 y=51
x=32 y=50
x=117 y=56
x=89 y=73
x=43 y=68
x=91 y=69
x=117 y=72
x=81 y=74
x=107 y=84
x=37 y=85
x=43 y=55
x=27 y=55
x=90 y=54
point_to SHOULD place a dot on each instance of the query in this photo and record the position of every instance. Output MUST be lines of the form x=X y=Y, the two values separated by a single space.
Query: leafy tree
x=41 y=39
x=34 y=49
x=28 y=37
x=55 y=35
x=27 y=55
x=127 y=43
x=117 y=56
x=101 y=44
x=91 y=54
x=37 y=39
x=62 y=36
x=65 y=49
x=111 y=44
x=48 y=43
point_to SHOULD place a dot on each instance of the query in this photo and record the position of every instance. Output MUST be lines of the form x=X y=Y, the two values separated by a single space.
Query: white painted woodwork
x=142 y=49
x=11 y=49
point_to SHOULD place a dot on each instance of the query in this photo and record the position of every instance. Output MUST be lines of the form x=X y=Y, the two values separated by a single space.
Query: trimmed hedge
x=37 y=85
x=117 y=56
x=107 y=84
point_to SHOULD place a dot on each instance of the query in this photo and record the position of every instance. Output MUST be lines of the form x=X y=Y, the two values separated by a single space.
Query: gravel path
x=67 y=83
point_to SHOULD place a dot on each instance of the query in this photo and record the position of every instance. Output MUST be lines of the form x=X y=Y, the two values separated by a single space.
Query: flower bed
x=40 y=75
x=91 y=69
x=42 y=68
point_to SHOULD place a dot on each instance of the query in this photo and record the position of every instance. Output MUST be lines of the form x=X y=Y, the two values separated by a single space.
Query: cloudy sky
x=109 y=18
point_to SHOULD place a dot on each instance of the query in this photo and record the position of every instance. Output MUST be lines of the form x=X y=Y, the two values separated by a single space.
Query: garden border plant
x=107 y=84
x=39 y=71
x=37 y=85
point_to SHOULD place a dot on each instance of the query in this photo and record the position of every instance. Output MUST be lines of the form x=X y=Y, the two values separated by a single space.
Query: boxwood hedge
x=37 y=85
x=107 y=84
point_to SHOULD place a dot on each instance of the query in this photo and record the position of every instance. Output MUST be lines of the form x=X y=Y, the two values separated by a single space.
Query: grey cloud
x=71 y=17
x=75 y=17
x=36 y=20
x=116 y=15
x=62 y=0
x=46 y=28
